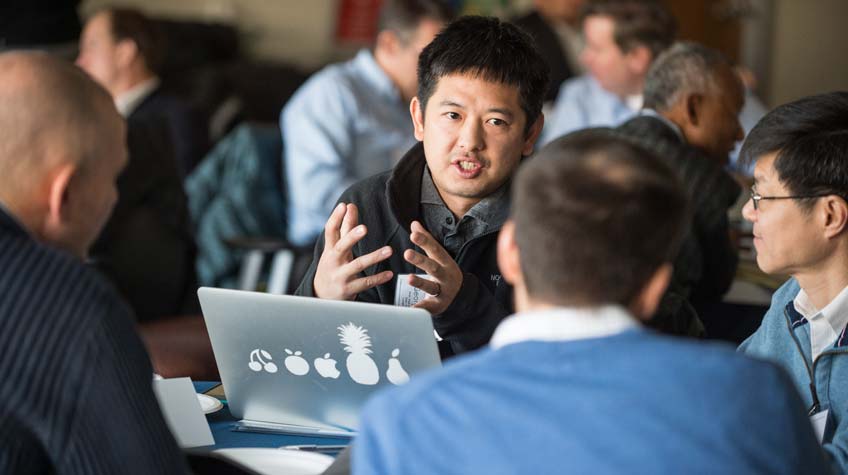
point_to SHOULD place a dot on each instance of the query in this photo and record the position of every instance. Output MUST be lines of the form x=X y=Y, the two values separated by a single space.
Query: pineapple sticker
x=360 y=366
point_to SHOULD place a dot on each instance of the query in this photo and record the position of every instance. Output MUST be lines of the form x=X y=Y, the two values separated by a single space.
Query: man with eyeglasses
x=800 y=215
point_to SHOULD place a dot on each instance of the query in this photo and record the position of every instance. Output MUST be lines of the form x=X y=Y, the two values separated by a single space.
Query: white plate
x=209 y=404
x=274 y=461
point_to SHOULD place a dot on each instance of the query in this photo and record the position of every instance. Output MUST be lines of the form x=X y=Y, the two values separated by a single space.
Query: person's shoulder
x=577 y=89
x=329 y=94
x=772 y=336
x=367 y=190
x=59 y=288
x=717 y=364
x=427 y=387
x=334 y=79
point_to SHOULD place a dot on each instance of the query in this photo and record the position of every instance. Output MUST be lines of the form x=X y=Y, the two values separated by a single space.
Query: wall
x=296 y=31
x=807 y=54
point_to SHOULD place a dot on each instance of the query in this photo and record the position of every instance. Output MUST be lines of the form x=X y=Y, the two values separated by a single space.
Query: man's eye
x=497 y=122
x=452 y=115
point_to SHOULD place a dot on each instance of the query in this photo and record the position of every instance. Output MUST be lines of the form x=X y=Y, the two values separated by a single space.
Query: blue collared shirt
x=346 y=123
x=582 y=103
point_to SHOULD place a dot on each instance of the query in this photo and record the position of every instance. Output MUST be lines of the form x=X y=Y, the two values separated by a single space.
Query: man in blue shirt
x=572 y=383
x=351 y=120
x=800 y=224
x=622 y=39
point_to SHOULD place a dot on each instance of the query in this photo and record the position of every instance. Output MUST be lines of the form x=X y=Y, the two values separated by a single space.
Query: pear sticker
x=295 y=363
x=396 y=374
x=360 y=366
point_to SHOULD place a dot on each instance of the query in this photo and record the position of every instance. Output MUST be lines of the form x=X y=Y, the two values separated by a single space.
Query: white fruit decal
x=396 y=374
x=258 y=361
x=326 y=367
x=295 y=363
x=360 y=366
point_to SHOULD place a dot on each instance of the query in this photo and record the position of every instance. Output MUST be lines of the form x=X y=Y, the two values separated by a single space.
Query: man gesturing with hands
x=431 y=223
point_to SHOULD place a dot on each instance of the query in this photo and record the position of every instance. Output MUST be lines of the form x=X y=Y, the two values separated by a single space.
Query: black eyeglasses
x=756 y=197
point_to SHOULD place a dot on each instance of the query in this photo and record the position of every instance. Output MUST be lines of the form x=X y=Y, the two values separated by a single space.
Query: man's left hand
x=446 y=276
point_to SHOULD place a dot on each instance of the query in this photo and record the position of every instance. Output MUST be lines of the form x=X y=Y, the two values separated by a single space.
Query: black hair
x=810 y=137
x=489 y=49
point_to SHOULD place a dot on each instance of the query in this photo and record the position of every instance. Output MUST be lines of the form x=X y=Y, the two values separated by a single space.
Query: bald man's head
x=61 y=141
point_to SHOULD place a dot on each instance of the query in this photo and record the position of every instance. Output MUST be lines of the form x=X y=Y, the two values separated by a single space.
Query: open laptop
x=311 y=362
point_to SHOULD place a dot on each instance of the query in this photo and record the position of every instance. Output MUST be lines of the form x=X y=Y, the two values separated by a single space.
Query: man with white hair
x=691 y=118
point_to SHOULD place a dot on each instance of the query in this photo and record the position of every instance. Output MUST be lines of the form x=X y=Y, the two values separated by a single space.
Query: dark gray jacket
x=388 y=203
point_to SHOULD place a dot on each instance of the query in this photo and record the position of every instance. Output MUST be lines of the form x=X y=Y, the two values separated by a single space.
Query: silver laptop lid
x=308 y=361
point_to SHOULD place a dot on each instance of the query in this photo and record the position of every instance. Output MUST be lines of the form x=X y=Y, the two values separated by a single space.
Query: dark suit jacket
x=184 y=129
x=550 y=47
x=706 y=263
x=147 y=248
x=76 y=385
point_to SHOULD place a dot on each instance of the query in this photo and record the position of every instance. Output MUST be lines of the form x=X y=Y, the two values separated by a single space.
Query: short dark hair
x=637 y=23
x=129 y=24
x=810 y=136
x=683 y=68
x=595 y=216
x=489 y=49
x=404 y=16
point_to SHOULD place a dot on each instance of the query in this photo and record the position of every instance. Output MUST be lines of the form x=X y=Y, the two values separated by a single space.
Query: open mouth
x=468 y=168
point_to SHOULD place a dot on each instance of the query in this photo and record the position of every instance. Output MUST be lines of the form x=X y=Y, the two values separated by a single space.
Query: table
x=221 y=423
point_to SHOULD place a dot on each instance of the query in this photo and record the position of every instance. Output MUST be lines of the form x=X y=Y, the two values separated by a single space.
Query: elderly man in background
x=147 y=248
x=124 y=51
x=692 y=102
x=351 y=120
x=77 y=395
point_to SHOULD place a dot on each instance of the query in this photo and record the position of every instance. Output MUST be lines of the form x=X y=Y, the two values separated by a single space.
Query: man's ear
x=533 y=135
x=646 y=303
x=693 y=103
x=59 y=196
x=126 y=51
x=639 y=60
x=417 y=113
x=509 y=260
x=387 y=42
x=834 y=211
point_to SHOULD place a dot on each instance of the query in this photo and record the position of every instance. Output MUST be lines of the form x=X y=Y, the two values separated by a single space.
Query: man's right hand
x=337 y=275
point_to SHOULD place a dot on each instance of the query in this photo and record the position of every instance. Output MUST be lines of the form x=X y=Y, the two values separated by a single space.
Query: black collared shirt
x=487 y=215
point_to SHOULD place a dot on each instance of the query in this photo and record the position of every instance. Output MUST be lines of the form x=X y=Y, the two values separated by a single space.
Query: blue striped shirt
x=76 y=380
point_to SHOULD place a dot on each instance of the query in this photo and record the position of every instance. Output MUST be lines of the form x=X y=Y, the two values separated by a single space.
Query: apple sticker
x=326 y=367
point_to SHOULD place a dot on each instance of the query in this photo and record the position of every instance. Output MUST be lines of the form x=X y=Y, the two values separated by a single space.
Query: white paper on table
x=182 y=412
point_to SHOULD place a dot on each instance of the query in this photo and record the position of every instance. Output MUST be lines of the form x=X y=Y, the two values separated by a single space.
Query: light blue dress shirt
x=583 y=103
x=346 y=123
